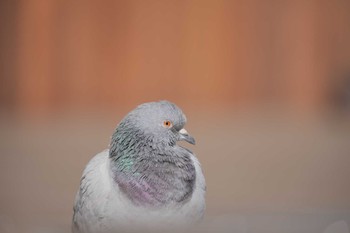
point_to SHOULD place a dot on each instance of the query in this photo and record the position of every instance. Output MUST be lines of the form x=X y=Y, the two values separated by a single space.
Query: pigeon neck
x=152 y=175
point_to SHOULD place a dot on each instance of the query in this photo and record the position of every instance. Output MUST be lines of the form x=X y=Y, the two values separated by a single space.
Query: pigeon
x=144 y=180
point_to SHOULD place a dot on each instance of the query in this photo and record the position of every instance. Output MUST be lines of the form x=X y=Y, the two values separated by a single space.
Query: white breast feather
x=101 y=206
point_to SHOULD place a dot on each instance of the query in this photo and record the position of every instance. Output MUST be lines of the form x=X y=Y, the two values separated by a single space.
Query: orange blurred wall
x=86 y=54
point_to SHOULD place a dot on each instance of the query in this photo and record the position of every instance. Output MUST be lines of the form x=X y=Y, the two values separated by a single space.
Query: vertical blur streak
x=8 y=44
x=34 y=84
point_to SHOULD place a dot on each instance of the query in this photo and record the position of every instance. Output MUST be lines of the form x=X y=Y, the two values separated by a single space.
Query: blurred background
x=265 y=86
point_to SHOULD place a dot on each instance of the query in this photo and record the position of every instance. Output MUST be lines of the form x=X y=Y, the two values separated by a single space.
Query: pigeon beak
x=186 y=137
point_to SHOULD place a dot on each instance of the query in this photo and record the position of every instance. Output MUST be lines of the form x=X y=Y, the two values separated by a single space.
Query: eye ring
x=167 y=124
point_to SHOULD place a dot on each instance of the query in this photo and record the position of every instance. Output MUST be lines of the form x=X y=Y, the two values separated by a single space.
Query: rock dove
x=144 y=180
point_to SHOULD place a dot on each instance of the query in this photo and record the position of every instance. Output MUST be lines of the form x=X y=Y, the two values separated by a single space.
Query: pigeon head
x=157 y=123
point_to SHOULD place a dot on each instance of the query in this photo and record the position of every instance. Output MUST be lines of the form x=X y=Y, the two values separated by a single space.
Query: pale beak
x=186 y=137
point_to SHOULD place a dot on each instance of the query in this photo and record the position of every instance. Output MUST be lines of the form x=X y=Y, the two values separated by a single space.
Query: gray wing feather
x=91 y=196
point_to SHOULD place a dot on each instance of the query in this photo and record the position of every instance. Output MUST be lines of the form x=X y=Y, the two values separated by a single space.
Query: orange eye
x=167 y=124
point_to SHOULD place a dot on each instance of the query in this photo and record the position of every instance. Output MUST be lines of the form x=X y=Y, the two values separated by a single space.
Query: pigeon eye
x=167 y=124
